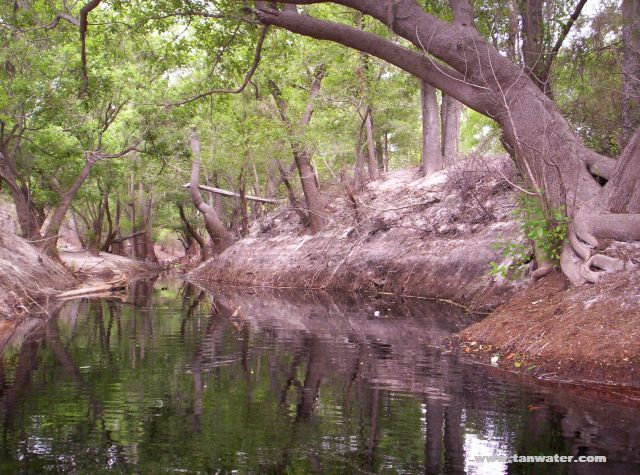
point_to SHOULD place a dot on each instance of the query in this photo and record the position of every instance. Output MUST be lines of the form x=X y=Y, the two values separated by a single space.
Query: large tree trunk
x=450 y=112
x=220 y=237
x=630 y=70
x=551 y=157
x=30 y=217
x=49 y=243
x=431 y=152
x=314 y=198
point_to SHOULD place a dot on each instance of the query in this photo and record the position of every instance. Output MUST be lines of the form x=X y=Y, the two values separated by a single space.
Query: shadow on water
x=178 y=379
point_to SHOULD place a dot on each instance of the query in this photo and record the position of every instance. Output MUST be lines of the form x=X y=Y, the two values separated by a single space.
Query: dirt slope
x=27 y=277
x=430 y=237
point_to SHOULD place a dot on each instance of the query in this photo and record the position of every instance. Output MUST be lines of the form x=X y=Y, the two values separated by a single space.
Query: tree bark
x=450 y=113
x=457 y=60
x=630 y=70
x=220 y=237
x=533 y=47
x=372 y=161
x=30 y=217
x=431 y=151
x=193 y=233
x=49 y=243
x=314 y=198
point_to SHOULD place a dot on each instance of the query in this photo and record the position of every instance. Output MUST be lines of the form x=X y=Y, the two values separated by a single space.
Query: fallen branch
x=108 y=287
x=126 y=238
x=220 y=191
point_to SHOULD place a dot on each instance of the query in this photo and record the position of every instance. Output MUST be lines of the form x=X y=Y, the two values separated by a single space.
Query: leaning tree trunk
x=314 y=199
x=431 y=153
x=192 y=234
x=220 y=237
x=455 y=58
x=49 y=242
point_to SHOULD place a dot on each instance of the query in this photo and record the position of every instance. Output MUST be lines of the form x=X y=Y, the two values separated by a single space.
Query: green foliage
x=517 y=257
x=545 y=229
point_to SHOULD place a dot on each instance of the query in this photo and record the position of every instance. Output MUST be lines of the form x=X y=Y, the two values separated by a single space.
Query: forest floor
x=407 y=235
x=435 y=238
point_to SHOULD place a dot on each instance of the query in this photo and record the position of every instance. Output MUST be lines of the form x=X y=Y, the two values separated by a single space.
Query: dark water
x=178 y=381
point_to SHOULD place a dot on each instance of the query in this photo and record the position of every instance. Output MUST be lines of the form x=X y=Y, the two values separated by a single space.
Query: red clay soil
x=581 y=334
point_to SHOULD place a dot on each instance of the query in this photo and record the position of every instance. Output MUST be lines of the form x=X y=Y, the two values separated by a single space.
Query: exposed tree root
x=588 y=227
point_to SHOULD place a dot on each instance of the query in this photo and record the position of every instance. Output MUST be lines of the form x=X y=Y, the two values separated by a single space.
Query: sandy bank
x=430 y=237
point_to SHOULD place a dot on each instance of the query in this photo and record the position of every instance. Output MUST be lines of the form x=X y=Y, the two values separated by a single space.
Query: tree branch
x=247 y=78
x=440 y=75
x=84 y=14
x=563 y=34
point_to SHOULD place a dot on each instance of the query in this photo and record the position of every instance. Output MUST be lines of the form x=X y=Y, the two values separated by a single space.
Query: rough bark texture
x=450 y=113
x=630 y=70
x=553 y=160
x=220 y=237
x=431 y=150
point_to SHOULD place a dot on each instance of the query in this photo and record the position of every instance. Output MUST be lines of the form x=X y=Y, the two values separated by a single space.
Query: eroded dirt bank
x=430 y=237
x=435 y=237
x=580 y=334
x=28 y=278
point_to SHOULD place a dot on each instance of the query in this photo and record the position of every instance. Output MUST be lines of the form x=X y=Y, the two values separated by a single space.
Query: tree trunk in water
x=220 y=237
x=450 y=113
x=630 y=70
x=431 y=152
x=149 y=245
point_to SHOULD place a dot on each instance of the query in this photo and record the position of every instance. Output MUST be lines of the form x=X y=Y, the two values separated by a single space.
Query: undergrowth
x=545 y=230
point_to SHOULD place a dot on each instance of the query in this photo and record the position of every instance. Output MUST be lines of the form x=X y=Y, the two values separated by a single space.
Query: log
x=220 y=191
x=108 y=287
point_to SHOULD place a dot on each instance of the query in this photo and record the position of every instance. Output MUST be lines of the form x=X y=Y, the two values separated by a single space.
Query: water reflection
x=177 y=379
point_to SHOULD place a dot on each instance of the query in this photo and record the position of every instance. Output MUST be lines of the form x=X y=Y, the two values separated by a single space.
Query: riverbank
x=30 y=281
x=430 y=237
x=435 y=238
x=588 y=334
